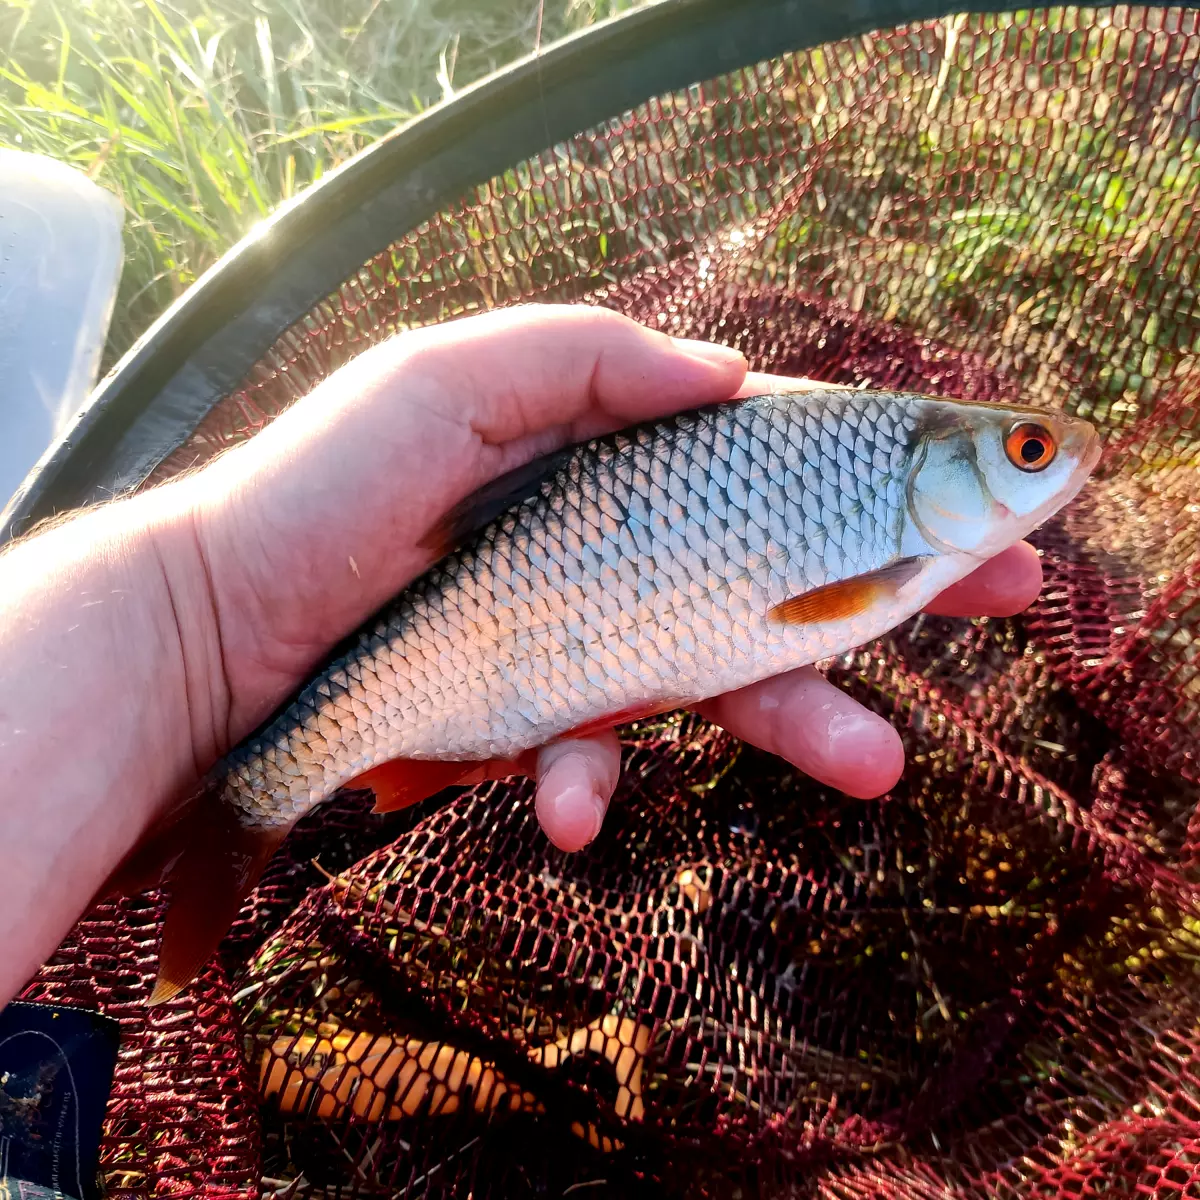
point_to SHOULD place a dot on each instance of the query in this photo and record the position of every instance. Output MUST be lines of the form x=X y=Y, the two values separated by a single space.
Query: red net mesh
x=985 y=983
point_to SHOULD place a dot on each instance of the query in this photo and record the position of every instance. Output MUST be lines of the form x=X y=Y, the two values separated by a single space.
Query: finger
x=1002 y=587
x=760 y=383
x=803 y=718
x=576 y=779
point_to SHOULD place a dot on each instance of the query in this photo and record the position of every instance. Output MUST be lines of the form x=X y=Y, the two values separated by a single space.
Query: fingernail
x=578 y=815
x=851 y=738
x=797 y=383
x=712 y=352
x=844 y=728
x=865 y=756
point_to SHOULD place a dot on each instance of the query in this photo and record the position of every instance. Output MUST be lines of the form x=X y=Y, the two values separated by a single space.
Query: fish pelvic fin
x=217 y=861
x=849 y=597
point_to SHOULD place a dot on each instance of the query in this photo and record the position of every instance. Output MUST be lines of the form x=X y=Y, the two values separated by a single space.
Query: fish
x=641 y=572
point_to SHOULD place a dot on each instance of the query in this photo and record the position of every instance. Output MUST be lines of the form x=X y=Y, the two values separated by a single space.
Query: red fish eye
x=1030 y=446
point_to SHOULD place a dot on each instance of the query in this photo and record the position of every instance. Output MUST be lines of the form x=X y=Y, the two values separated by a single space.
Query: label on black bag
x=56 y=1068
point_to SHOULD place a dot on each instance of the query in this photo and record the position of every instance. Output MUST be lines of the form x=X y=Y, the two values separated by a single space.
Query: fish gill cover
x=986 y=983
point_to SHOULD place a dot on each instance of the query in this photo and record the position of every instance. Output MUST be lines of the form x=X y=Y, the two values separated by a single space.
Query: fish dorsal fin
x=523 y=483
x=492 y=500
x=848 y=597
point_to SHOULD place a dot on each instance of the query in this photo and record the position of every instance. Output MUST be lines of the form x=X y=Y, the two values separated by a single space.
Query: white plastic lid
x=60 y=263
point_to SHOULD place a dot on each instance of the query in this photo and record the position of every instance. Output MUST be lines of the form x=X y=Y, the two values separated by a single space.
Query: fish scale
x=531 y=629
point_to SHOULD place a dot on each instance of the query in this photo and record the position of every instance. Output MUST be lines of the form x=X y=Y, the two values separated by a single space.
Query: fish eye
x=1030 y=446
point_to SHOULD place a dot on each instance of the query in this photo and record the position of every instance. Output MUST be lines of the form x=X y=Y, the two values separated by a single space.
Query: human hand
x=320 y=519
x=143 y=639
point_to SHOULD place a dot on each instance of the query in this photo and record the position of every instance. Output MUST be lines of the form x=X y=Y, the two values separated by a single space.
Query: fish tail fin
x=217 y=860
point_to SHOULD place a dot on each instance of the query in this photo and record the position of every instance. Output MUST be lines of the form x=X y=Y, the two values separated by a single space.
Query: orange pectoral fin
x=849 y=597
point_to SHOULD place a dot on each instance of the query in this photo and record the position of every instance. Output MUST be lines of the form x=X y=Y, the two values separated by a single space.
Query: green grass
x=204 y=115
x=942 y=214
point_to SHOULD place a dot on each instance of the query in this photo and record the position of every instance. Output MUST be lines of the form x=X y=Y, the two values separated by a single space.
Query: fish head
x=985 y=475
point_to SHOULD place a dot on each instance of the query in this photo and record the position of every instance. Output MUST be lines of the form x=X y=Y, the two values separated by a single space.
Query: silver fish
x=644 y=571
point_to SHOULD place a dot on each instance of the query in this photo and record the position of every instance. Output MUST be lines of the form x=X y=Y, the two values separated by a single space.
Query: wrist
x=96 y=723
x=168 y=529
x=113 y=632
